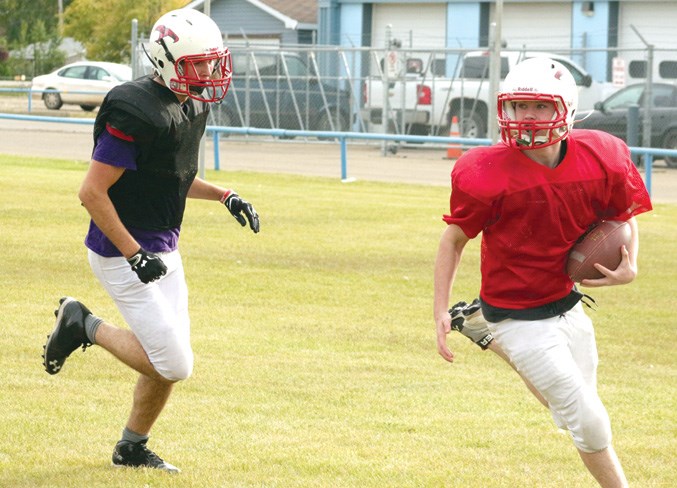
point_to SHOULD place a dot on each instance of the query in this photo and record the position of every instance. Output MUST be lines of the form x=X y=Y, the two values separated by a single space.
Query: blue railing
x=30 y=92
x=342 y=139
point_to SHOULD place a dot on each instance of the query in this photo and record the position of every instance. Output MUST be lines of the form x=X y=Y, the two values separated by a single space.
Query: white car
x=84 y=83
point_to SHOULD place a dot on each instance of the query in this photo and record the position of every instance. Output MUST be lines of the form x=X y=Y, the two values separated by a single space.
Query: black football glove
x=148 y=266
x=237 y=207
x=469 y=321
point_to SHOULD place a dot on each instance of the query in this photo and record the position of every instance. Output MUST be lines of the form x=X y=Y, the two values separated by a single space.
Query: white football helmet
x=537 y=79
x=180 y=39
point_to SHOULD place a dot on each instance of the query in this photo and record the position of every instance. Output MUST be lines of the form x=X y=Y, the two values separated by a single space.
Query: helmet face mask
x=537 y=80
x=187 y=51
x=188 y=81
x=532 y=134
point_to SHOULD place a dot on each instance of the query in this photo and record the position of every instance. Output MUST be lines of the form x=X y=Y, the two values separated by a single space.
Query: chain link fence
x=407 y=91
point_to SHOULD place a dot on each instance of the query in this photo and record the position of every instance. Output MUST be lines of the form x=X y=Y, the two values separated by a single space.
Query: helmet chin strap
x=145 y=51
x=169 y=56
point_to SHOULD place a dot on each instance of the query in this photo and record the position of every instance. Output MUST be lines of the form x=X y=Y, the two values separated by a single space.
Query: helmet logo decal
x=163 y=32
x=558 y=75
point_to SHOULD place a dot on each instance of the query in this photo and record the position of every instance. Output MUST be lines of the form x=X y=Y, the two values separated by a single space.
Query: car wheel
x=472 y=125
x=670 y=142
x=87 y=108
x=327 y=121
x=52 y=100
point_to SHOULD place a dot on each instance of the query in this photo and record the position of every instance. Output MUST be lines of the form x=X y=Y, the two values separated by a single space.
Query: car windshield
x=575 y=72
x=269 y=65
x=120 y=72
x=264 y=64
x=477 y=67
x=624 y=98
x=663 y=96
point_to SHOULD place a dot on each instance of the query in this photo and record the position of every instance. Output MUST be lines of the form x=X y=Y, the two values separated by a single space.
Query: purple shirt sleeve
x=115 y=151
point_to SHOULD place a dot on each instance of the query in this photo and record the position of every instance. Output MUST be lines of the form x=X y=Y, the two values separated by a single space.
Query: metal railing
x=30 y=91
x=402 y=91
x=341 y=138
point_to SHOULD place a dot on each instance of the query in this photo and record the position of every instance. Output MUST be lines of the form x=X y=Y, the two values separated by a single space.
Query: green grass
x=315 y=350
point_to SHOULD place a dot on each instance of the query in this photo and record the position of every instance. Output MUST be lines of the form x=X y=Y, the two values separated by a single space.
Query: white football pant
x=559 y=357
x=156 y=312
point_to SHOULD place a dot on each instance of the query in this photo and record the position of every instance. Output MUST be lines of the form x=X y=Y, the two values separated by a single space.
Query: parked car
x=611 y=115
x=431 y=99
x=273 y=89
x=83 y=83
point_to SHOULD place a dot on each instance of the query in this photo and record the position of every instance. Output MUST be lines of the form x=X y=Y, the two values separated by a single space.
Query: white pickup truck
x=430 y=102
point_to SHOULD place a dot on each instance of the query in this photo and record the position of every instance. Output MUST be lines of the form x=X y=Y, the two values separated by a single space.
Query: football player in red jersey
x=532 y=196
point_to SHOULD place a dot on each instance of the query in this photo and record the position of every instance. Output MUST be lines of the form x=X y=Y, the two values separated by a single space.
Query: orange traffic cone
x=454 y=150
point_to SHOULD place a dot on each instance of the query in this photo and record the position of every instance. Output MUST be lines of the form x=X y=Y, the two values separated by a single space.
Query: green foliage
x=102 y=26
x=315 y=350
x=41 y=53
x=108 y=39
x=31 y=31
x=15 y=15
x=4 y=56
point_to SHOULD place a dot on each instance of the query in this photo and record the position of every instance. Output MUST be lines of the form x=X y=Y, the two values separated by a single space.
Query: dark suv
x=611 y=115
x=274 y=89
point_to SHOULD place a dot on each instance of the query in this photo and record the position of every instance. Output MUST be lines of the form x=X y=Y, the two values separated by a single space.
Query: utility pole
x=60 y=16
x=207 y=10
x=648 y=95
x=135 y=50
x=495 y=71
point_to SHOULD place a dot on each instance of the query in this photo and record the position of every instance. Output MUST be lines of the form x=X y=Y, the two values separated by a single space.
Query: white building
x=595 y=32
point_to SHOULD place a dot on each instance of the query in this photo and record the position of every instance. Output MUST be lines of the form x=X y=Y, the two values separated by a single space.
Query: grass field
x=315 y=350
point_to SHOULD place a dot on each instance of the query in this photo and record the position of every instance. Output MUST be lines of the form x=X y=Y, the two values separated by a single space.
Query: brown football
x=602 y=244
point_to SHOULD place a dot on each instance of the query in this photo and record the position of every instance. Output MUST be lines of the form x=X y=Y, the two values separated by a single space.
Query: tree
x=30 y=35
x=46 y=54
x=104 y=27
x=14 y=13
x=4 y=56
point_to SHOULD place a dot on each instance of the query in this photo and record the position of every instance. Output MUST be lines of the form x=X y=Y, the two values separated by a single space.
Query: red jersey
x=531 y=215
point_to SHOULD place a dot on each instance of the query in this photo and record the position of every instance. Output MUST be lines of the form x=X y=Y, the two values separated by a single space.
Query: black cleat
x=137 y=455
x=67 y=336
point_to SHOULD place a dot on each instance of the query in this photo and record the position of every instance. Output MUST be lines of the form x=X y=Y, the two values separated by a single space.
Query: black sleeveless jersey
x=167 y=136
